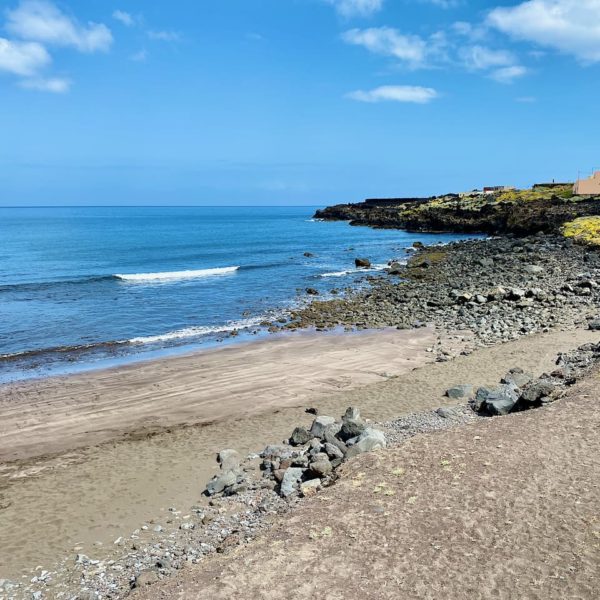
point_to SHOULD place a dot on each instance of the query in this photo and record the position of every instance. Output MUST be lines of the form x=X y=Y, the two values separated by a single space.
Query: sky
x=288 y=102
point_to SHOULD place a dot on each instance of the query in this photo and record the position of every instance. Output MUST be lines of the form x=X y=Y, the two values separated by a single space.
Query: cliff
x=519 y=211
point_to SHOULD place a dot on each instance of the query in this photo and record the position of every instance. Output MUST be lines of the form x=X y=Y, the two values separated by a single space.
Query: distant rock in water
x=362 y=263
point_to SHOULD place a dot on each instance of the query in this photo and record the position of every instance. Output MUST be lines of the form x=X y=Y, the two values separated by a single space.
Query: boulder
x=496 y=294
x=321 y=466
x=496 y=401
x=539 y=391
x=312 y=291
x=448 y=412
x=395 y=268
x=320 y=425
x=362 y=263
x=229 y=459
x=277 y=451
x=290 y=481
x=333 y=451
x=220 y=482
x=352 y=424
x=310 y=487
x=594 y=325
x=456 y=392
x=370 y=439
x=300 y=436
x=517 y=377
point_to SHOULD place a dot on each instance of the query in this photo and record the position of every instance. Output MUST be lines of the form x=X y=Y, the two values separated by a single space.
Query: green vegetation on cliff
x=520 y=212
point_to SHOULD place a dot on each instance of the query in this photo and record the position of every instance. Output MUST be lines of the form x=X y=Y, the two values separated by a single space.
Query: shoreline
x=150 y=476
x=48 y=416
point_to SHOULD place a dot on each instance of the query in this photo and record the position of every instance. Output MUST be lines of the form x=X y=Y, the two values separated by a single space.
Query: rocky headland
x=522 y=212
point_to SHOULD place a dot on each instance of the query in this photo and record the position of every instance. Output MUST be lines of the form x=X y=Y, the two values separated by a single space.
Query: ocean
x=90 y=287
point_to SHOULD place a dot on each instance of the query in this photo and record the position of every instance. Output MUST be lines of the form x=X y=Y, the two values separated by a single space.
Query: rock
x=456 y=392
x=310 y=487
x=145 y=578
x=516 y=294
x=370 y=439
x=496 y=401
x=320 y=425
x=276 y=451
x=517 y=377
x=333 y=451
x=220 y=482
x=312 y=291
x=311 y=411
x=352 y=425
x=480 y=299
x=496 y=294
x=330 y=438
x=594 y=325
x=536 y=392
x=290 y=481
x=300 y=436
x=309 y=254
x=448 y=412
x=395 y=268
x=418 y=245
x=320 y=465
x=362 y=263
x=229 y=459
x=533 y=269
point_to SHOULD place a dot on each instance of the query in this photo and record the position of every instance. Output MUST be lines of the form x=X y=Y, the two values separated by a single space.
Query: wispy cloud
x=22 y=58
x=479 y=57
x=164 y=36
x=569 y=26
x=124 y=17
x=440 y=50
x=410 y=49
x=55 y=85
x=395 y=93
x=41 y=21
x=356 y=8
x=509 y=74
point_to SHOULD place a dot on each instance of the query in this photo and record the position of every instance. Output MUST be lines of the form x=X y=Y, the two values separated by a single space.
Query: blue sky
x=292 y=101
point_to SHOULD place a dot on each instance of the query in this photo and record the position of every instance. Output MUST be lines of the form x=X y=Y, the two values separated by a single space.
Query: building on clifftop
x=588 y=187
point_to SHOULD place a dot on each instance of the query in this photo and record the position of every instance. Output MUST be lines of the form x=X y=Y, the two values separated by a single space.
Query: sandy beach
x=149 y=458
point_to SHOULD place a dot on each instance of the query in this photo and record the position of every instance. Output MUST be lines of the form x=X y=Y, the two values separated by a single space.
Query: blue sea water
x=79 y=286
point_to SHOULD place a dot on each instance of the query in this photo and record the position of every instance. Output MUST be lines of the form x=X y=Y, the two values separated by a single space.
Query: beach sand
x=501 y=509
x=151 y=458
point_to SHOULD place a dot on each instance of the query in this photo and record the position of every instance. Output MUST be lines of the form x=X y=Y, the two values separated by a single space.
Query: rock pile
x=518 y=390
x=304 y=463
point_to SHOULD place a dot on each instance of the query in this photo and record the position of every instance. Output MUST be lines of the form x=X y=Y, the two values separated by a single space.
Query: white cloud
x=481 y=58
x=22 y=58
x=509 y=74
x=570 y=26
x=55 y=85
x=356 y=8
x=395 y=93
x=164 y=36
x=443 y=3
x=124 y=17
x=389 y=42
x=42 y=21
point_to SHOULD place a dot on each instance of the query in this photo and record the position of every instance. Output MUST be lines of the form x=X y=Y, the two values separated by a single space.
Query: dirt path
x=507 y=508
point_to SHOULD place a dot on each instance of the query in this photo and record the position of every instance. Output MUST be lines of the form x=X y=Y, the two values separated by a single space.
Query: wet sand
x=246 y=397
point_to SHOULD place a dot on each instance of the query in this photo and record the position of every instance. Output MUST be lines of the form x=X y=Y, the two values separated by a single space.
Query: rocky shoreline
x=493 y=290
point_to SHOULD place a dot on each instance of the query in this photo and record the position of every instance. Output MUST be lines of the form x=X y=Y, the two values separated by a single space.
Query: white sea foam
x=175 y=275
x=199 y=331
x=379 y=267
